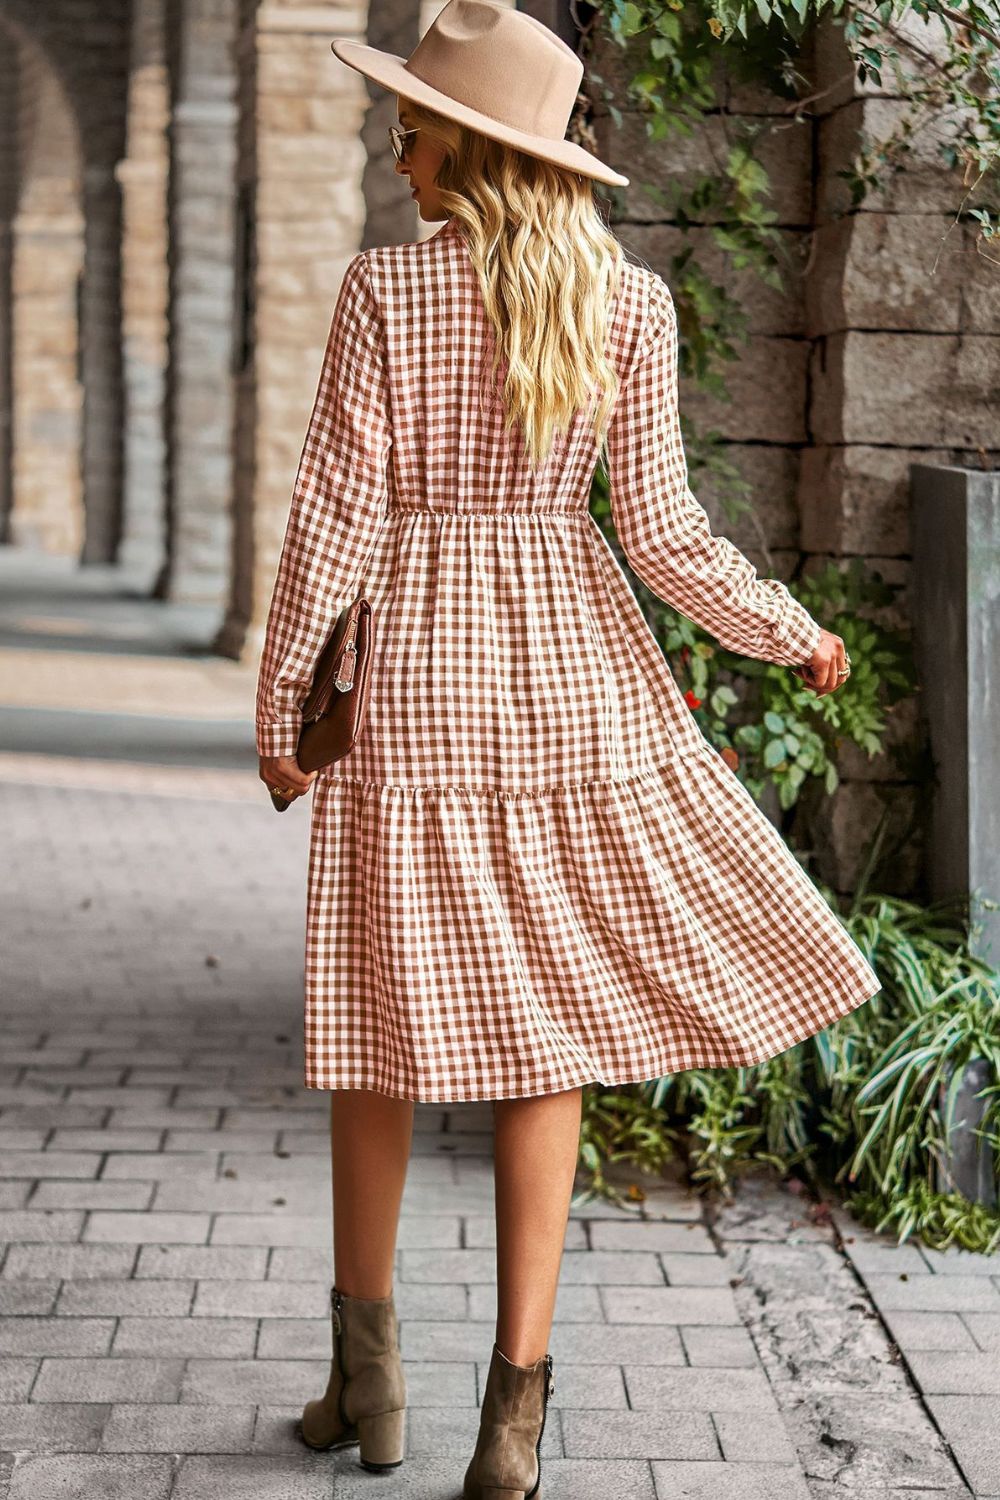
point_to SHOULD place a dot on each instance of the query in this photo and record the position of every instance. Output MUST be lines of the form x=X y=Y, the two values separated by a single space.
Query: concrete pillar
x=9 y=173
x=47 y=254
x=956 y=624
x=101 y=363
x=302 y=142
x=200 y=398
x=142 y=175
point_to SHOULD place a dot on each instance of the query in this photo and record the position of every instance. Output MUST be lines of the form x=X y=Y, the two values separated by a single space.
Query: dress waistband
x=491 y=515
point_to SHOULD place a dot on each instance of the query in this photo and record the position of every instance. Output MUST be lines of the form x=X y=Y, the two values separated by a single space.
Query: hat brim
x=390 y=70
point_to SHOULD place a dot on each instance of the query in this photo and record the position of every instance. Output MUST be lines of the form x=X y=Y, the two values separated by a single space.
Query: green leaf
x=774 y=753
x=774 y=722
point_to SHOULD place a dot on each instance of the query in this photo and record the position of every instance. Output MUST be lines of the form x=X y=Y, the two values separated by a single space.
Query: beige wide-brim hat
x=495 y=69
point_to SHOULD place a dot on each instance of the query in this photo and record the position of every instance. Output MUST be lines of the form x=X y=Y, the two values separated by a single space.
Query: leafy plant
x=868 y=1102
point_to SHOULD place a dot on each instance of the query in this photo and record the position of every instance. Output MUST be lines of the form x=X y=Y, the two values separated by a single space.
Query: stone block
x=704 y=1389
x=854 y=500
x=954 y=1373
x=834 y=73
x=772 y=517
x=926 y=185
x=887 y=271
x=110 y=1476
x=671 y=1304
x=784 y=151
x=642 y=1435
x=766 y=384
x=177 y=1429
x=901 y=388
x=915 y=1331
x=768 y=310
x=752 y=1437
x=728 y=1481
x=836 y=832
x=722 y=1348
x=47 y=1428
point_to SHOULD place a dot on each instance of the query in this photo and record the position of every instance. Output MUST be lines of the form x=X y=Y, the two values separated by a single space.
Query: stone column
x=101 y=363
x=901 y=341
x=142 y=174
x=307 y=112
x=9 y=173
x=47 y=267
x=200 y=401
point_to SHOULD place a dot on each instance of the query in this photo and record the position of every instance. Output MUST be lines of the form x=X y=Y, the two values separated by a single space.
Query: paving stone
x=724 y=1348
x=28 y=1296
x=147 y=1228
x=673 y=1304
x=984 y=1328
x=934 y=1293
x=682 y=1239
x=50 y=1428
x=298 y=1338
x=142 y=1299
x=222 y=1338
x=155 y=1166
x=254 y=1477
x=439 y=1431
x=68 y=1262
x=940 y=1373
x=728 y=1481
x=639 y=1434
x=562 y=1479
x=15 y=1193
x=262 y=1299
x=956 y=1262
x=43 y=1335
x=91 y=1476
x=150 y=1428
x=46 y=1225
x=202 y=1262
x=16 y=1377
x=262 y=1229
x=703 y=1389
x=223 y=1138
x=927 y=1330
x=108 y=1379
x=22 y=1140
x=93 y=1195
x=753 y=1437
x=696 y=1270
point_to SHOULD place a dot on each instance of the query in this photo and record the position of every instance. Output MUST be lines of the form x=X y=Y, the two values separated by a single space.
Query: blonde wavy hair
x=549 y=269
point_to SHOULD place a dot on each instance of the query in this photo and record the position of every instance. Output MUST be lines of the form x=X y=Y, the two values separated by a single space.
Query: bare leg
x=370 y=1136
x=536 y=1144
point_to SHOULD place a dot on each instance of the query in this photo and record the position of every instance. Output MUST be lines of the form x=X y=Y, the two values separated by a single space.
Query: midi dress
x=532 y=871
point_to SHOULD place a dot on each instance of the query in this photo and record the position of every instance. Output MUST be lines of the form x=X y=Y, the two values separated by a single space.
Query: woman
x=533 y=871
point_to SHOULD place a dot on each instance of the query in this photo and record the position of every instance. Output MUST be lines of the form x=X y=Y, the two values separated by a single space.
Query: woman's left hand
x=281 y=773
x=829 y=666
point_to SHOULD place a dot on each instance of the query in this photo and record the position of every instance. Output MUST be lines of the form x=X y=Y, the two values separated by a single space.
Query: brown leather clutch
x=335 y=708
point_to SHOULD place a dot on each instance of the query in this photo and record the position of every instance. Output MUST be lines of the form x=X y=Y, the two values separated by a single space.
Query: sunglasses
x=398 y=139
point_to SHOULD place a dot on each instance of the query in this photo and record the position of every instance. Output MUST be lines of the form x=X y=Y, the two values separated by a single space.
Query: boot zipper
x=336 y=1301
x=551 y=1378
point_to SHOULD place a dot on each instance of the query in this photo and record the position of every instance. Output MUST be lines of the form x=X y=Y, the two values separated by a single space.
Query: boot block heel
x=494 y=1494
x=382 y=1439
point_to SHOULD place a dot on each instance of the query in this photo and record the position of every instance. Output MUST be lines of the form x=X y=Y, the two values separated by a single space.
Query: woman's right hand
x=824 y=671
x=278 y=772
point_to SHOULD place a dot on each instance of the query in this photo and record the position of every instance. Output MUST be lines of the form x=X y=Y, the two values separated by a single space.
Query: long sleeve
x=665 y=532
x=338 y=508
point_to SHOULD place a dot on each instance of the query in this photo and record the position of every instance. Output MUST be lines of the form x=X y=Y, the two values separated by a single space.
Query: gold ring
x=844 y=672
x=283 y=791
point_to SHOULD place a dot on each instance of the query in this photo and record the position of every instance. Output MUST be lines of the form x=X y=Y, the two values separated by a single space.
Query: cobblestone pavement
x=165 y=1215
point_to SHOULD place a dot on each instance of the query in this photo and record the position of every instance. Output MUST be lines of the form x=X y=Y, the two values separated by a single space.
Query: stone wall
x=882 y=349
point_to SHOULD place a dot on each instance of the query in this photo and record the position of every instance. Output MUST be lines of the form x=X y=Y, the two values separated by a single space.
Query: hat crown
x=502 y=63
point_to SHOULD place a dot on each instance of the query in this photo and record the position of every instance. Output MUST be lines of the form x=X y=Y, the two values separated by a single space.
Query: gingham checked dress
x=533 y=871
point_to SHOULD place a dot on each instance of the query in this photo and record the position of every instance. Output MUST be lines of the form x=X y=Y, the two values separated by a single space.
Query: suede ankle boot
x=365 y=1397
x=507 y=1464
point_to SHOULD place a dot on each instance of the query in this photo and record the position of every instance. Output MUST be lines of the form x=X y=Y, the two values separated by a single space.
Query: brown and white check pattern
x=532 y=871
